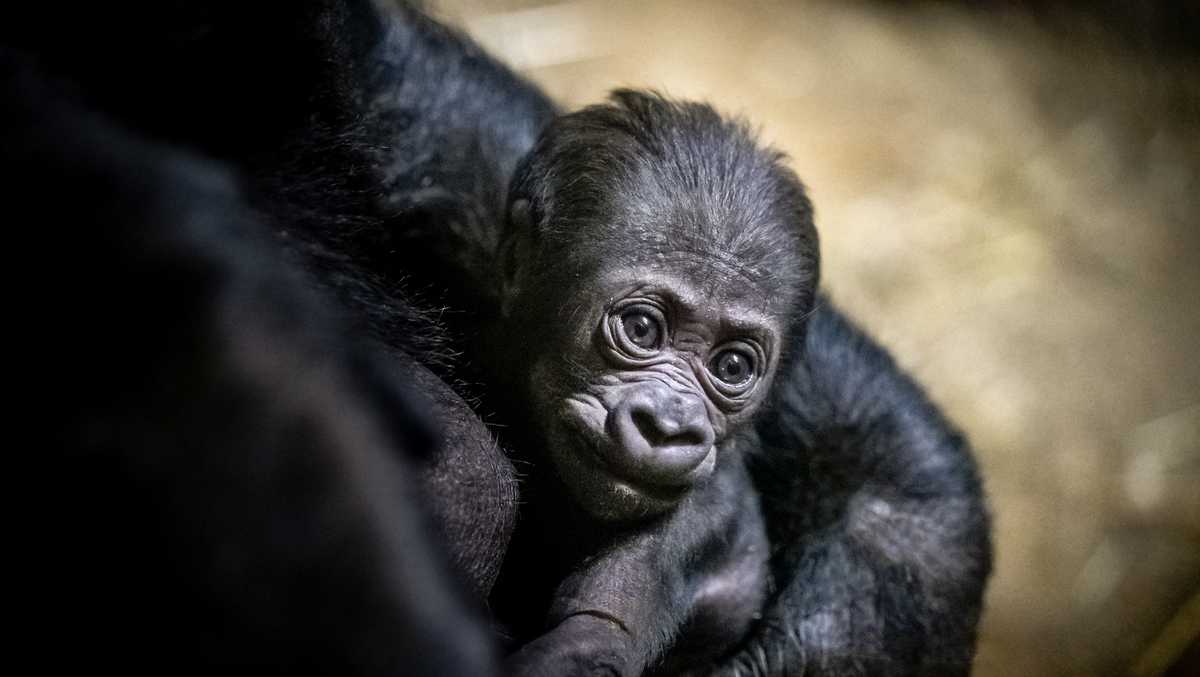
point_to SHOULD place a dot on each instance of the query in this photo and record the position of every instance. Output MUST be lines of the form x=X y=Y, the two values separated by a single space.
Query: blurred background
x=1008 y=195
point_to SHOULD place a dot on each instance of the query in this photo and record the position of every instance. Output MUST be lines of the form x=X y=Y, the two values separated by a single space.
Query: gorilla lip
x=598 y=460
x=657 y=492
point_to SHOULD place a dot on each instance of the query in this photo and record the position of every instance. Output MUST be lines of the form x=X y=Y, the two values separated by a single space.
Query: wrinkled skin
x=641 y=425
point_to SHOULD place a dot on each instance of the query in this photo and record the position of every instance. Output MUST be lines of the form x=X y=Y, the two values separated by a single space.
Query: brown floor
x=1017 y=216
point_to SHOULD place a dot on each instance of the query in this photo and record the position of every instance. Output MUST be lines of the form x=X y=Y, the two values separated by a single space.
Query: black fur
x=230 y=478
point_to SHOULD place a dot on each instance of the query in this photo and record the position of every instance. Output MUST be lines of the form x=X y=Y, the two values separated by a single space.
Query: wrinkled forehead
x=715 y=267
x=726 y=243
x=736 y=227
x=710 y=287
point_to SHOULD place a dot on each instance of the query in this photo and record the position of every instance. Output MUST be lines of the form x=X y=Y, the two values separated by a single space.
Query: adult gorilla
x=238 y=447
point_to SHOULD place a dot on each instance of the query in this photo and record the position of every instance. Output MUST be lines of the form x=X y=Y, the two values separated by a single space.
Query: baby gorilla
x=656 y=264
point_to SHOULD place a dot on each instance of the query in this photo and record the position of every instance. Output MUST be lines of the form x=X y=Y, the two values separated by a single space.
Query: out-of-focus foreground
x=1015 y=212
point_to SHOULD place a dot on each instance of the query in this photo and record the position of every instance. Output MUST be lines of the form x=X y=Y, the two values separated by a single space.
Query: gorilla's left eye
x=733 y=367
x=642 y=329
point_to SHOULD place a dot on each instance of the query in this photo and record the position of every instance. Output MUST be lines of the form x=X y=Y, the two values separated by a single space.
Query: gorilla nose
x=660 y=436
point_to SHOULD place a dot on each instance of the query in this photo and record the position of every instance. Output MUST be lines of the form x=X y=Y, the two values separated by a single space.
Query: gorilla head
x=655 y=263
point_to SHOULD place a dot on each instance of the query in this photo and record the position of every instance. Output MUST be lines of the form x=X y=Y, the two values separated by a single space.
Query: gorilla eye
x=733 y=367
x=642 y=329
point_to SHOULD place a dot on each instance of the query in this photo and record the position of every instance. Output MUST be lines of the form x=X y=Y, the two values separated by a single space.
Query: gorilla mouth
x=621 y=479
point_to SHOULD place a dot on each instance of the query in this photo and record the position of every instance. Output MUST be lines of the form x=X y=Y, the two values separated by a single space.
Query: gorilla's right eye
x=642 y=329
x=734 y=367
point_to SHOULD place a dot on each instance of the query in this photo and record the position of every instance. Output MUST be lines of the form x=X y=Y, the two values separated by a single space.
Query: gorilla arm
x=696 y=574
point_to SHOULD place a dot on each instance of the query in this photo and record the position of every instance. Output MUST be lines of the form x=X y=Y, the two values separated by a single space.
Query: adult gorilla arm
x=875 y=513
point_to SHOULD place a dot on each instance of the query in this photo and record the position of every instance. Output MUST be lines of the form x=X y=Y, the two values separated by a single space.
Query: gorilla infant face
x=654 y=261
x=665 y=363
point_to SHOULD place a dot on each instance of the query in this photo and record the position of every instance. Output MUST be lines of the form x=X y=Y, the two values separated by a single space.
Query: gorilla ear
x=515 y=250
